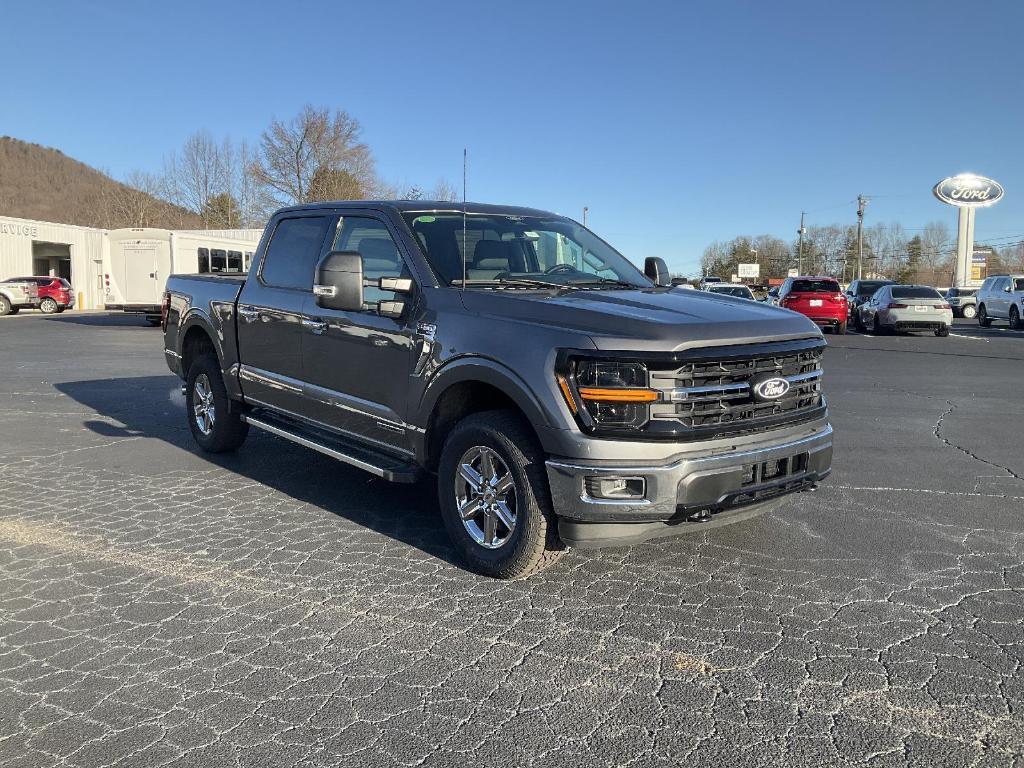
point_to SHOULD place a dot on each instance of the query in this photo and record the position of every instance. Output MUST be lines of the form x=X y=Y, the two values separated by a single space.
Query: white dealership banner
x=748 y=270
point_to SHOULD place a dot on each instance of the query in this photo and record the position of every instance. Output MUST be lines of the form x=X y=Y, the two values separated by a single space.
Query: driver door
x=357 y=365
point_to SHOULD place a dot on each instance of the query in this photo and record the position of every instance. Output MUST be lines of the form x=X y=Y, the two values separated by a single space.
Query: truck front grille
x=713 y=395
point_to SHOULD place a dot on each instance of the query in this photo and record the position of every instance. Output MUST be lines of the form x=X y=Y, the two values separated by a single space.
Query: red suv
x=819 y=298
x=55 y=293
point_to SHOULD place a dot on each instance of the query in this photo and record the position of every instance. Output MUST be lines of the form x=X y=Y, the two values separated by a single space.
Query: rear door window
x=293 y=252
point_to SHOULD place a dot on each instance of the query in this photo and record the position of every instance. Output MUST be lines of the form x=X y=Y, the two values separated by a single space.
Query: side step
x=391 y=468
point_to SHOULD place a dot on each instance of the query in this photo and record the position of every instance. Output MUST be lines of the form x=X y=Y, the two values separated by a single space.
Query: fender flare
x=487 y=371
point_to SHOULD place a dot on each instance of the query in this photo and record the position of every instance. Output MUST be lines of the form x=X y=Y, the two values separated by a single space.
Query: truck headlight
x=614 y=394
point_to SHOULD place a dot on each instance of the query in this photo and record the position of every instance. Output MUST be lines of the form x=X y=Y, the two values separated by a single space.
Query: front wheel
x=48 y=306
x=214 y=426
x=983 y=319
x=493 y=492
x=1014 y=318
x=969 y=312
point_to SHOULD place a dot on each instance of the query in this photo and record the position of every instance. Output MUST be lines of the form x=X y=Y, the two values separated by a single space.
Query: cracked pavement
x=275 y=608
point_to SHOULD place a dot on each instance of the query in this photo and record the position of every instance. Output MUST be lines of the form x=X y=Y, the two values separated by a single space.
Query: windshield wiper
x=605 y=281
x=523 y=282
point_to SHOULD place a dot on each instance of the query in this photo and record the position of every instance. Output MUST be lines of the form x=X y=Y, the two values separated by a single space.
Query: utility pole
x=800 y=248
x=861 y=202
x=585 y=212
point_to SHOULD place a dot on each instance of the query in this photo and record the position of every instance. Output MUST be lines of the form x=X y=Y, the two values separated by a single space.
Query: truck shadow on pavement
x=100 y=319
x=152 y=407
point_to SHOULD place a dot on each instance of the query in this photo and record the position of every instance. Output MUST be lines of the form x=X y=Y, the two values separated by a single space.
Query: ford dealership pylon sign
x=968 y=190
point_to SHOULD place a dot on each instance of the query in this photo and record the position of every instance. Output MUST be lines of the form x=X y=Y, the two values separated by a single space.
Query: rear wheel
x=5 y=307
x=840 y=329
x=1015 y=318
x=207 y=407
x=858 y=321
x=983 y=319
x=943 y=331
x=969 y=311
x=153 y=320
x=876 y=327
x=493 y=492
x=48 y=306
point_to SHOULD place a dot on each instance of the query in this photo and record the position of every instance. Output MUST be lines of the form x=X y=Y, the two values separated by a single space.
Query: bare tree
x=445 y=191
x=200 y=173
x=313 y=154
x=134 y=203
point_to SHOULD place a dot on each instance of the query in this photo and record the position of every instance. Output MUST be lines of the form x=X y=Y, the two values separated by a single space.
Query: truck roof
x=426 y=206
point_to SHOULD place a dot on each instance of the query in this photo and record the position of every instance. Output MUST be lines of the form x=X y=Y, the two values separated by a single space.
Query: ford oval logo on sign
x=969 y=191
x=771 y=389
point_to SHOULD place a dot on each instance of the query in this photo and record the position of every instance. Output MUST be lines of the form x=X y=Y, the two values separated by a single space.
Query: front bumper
x=686 y=495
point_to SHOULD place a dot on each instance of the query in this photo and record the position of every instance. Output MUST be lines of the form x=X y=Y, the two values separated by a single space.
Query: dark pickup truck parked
x=560 y=396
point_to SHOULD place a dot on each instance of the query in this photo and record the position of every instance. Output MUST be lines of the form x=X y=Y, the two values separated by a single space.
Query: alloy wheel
x=202 y=404
x=485 y=494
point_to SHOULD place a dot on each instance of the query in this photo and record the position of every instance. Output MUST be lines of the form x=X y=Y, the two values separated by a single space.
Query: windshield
x=815 y=286
x=732 y=290
x=914 y=292
x=511 y=248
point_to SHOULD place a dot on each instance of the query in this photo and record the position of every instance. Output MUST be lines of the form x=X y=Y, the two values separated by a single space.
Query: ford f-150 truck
x=560 y=396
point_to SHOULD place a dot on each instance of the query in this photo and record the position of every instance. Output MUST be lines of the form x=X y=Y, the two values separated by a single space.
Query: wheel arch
x=471 y=386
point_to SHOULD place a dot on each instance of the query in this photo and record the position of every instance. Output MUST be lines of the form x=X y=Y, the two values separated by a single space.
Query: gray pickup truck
x=559 y=395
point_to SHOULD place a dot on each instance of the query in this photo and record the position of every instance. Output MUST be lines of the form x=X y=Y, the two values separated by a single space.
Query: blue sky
x=677 y=123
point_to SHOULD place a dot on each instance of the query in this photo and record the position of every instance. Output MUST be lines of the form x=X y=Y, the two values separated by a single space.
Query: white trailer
x=138 y=262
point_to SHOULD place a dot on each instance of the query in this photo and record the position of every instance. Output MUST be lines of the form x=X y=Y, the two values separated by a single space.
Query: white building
x=93 y=260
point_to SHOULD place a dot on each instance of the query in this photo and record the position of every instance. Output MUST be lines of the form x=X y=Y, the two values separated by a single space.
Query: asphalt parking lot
x=274 y=608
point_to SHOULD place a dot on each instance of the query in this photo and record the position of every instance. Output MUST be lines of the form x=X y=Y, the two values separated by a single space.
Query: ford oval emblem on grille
x=771 y=389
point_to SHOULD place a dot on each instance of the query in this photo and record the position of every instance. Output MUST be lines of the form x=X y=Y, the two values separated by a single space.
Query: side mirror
x=656 y=269
x=1007 y=289
x=339 y=281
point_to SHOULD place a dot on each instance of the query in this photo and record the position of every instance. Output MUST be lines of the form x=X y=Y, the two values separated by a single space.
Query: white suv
x=1001 y=297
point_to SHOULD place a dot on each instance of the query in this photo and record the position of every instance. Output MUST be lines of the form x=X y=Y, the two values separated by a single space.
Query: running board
x=387 y=467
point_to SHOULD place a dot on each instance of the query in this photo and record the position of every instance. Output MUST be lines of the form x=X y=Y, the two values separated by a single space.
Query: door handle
x=316 y=326
x=249 y=315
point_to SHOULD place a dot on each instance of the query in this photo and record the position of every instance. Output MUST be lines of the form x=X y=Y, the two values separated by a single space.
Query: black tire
x=48 y=306
x=840 y=329
x=153 y=321
x=60 y=309
x=1014 y=318
x=876 y=327
x=968 y=312
x=983 y=319
x=533 y=543
x=6 y=308
x=858 y=322
x=227 y=431
x=943 y=331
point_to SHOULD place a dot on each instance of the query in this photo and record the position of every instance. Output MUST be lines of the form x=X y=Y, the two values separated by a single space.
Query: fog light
x=616 y=487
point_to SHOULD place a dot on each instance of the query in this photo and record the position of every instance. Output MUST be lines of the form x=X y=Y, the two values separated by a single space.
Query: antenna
x=465 y=156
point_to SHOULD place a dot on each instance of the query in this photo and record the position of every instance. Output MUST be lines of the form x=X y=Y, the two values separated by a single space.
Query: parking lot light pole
x=800 y=247
x=861 y=202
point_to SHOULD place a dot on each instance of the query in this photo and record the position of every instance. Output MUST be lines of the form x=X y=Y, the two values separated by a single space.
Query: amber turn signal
x=618 y=395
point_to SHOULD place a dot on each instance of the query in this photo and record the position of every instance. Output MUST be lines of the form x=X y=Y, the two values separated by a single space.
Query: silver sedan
x=905 y=308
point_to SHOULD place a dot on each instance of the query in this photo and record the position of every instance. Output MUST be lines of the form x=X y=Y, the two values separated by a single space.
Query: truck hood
x=656 y=319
